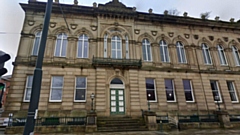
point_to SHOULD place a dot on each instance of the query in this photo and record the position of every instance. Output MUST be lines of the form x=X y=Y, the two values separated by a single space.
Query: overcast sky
x=11 y=15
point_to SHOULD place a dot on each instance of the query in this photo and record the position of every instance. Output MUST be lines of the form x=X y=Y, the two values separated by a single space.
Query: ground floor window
x=232 y=91
x=187 y=85
x=151 y=89
x=215 y=91
x=28 y=88
x=170 y=93
x=80 y=89
x=56 y=89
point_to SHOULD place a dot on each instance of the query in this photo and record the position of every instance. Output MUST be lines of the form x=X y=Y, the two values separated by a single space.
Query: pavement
x=184 y=132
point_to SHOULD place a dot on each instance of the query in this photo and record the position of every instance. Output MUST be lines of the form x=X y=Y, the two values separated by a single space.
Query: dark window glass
x=116 y=81
x=149 y=83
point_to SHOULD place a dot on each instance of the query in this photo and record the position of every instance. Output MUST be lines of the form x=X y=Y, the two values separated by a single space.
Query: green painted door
x=117 y=101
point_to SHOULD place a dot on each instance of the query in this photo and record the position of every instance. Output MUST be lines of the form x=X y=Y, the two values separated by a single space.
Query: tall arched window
x=61 y=45
x=236 y=55
x=82 y=50
x=164 y=54
x=105 y=45
x=116 y=47
x=36 y=43
x=222 y=56
x=181 y=53
x=206 y=54
x=127 y=47
x=146 y=50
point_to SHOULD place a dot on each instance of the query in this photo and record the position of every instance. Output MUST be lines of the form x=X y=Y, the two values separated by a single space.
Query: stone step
x=121 y=124
x=122 y=128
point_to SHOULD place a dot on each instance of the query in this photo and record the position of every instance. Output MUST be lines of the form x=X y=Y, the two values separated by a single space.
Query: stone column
x=91 y=125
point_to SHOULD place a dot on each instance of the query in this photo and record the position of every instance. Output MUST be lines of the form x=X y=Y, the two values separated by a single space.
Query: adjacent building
x=180 y=64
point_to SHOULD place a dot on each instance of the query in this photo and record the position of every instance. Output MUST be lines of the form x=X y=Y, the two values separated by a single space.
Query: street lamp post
x=92 y=97
x=149 y=95
x=37 y=77
x=218 y=99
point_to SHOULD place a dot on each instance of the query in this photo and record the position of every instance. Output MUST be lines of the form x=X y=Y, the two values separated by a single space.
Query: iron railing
x=162 y=119
x=234 y=118
x=197 y=118
x=49 y=121
x=100 y=61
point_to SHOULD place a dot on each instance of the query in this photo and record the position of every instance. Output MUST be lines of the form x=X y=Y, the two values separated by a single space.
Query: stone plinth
x=224 y=119
x=150 y=119
x=91 y=125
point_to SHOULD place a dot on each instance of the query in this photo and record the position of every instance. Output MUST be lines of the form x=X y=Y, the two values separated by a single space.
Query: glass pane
x=113 y=109
x=120 y=97
x=28 y=94
x=170 y=95
x=81 y=82
x=168 y=84
x=80 y=49
x=120 y=103
x=64 y=48
x=121 y=109
x=119 y=45
x=213 y=85
x=29 y=81
x=230 y=86
x=150 y=83
x=113 y=103
x=56 y=94
x=113 y=98
x=233 y=96
x=188 y=96
x=151 y=95
x=119 y=54
x=120 y=92
x=183 y=55
x=179 y=55
x=144 y=52
x=57 y=81
x=186 y=85
x=113 y=92
x=162 y=53
x=113 y=54
x=116 y=81
x=149 y=52
x=58 y=46
x=80 y=94
x=113 y=45
x=36 y=46
x=85 y=49
x=166 y=54
x=208 y=57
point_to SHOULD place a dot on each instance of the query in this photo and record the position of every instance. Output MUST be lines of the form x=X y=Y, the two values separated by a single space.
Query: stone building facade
x=179 y=64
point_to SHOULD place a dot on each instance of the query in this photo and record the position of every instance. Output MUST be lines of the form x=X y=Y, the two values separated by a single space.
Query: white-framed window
x=116 y=47
x=181 y=52
x=127 y=47
x=232 y=91
x=82 y=50
x=187 y=85
x=28 y=88
x=236 y=55
x=80 y=89
x=215 y=91
x=105 y=45
x=146 y=50
x=36 y=43
x=164 y=54
x=151 y=90
x=61 y=45
x=170 y=92
x=56 y=89
x=206 y=54
x=221 y=55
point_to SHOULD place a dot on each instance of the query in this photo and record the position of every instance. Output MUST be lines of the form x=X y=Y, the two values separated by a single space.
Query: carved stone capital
x=228 y=49
x=171 y=45
x=213 y=48
x=72 y=39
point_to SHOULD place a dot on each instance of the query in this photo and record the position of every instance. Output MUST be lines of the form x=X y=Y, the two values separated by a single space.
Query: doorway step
x=118 y=124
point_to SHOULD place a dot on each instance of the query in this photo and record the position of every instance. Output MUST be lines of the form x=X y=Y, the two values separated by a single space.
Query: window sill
x=155 y=101
x=55 y=101
x=171 y=101
x=79 y=101
x=218 y=102
x=235 y=102
x=190 y=101
x=25 y=101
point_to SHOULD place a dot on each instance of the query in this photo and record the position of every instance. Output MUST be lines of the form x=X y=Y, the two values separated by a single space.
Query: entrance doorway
x=117 y=97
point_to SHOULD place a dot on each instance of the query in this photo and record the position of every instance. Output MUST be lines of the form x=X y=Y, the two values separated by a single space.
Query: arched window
x=116 y=81
x=222 y=56
x=164 y=54
x=236 y=55
x=61 y=45
x=36 y=43
x=181 y=52
x=105 y=45
x=206 y=54
x=127 y=47
x=82 y=50
x=146 y=50
x=116 y=47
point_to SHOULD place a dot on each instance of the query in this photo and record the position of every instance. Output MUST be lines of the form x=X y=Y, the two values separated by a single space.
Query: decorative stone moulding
x=75 y=2
x=187 y=36
x=225 y=39
x=150 y=11
x=170 y=34
x=57 y=1
x=93 y=27
x=41 y=26
x=185 y=14
x=94 y=4
x=211 y=38
x=31 y=22
x=196 y=37
x=238 y=40
x=134 y=8
x=73 y=26
x=154 y=33
x=217 y=18
x=136 y=31
x=232 y=20
x=165 y=12
x=53 y=24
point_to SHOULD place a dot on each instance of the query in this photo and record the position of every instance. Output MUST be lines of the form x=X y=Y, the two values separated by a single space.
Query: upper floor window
x=151 y=90
x=105 y=45
x=222 y=56
x=116 y=47
x=236 y=55
x=170 y=92
x=127 y=48
x=36 y=43
x=82 y=50
x=28 y=88
x=61 y=45
x=215 y=91
x=146 y=50
x=181 y=53
x=232 y=91
x=164 y=54
x=206 y=54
